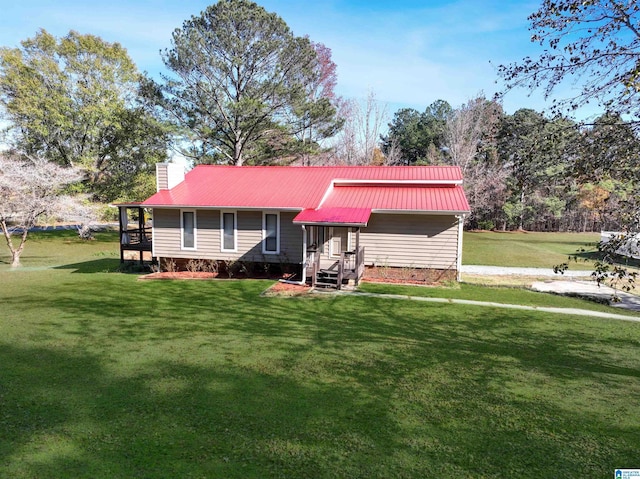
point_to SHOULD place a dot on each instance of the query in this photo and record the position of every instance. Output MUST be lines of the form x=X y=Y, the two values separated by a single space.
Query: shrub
x=169 y=265
x=486 y=225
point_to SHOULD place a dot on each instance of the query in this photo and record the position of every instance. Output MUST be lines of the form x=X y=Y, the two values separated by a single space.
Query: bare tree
x=360 y=134
x=30 y=188
x=470 y=141
x=595 y=44
x=393 y=155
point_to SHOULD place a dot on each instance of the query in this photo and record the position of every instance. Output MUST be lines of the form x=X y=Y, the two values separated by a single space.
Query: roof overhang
x=355 y=217
x=421 y=212
x=132 y=204
x=210 y=207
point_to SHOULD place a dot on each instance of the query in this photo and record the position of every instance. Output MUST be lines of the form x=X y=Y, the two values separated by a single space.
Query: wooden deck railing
x=135 y=237
x=349 y=266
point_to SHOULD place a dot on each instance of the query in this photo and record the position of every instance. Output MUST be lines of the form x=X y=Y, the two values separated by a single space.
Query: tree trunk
x=237 y=150
x=15 y=252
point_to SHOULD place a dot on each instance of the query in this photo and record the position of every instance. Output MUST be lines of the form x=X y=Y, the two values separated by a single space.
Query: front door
x=339 y=242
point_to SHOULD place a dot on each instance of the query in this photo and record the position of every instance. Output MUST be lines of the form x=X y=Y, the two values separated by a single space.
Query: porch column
x=357 y=239
x=141 y=228
x=357 y=263
x=123 y=213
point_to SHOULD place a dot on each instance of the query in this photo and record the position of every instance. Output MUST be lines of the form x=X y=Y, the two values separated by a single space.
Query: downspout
x=303 y=280
x=459 y=259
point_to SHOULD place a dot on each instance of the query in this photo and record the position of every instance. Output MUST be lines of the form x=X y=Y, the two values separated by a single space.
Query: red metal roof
x=298 y=188
x=334 y=216
x=407 y=198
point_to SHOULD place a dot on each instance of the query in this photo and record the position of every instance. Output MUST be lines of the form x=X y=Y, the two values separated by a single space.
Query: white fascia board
x=347 y=182
x=420 y=212
x=225 y=207
x=127 y=205
x=321 y=223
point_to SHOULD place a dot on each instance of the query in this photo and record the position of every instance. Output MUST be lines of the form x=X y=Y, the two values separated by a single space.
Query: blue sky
x=408 y=52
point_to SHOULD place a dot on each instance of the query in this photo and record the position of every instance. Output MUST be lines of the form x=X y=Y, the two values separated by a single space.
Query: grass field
x=494 y=294
x=105 y=376
x=539 y=250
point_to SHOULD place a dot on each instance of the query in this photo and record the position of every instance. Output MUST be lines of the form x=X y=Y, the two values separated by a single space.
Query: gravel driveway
x=507 y=271
x=578 y=285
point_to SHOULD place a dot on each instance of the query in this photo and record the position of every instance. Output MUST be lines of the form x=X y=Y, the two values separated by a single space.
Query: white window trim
x=195 y=230
x=264 y=232
x=235 y=231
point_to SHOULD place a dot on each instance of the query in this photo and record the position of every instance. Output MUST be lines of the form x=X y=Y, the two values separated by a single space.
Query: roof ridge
x=330 y=166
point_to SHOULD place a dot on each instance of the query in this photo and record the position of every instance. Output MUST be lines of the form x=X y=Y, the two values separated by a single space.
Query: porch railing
x=313 y=260
x=349 y=266
x=137 y=236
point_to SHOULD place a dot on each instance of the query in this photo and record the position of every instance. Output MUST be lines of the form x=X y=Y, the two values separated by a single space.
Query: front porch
x=135 y=235
x=346 y=269
x=334 y=256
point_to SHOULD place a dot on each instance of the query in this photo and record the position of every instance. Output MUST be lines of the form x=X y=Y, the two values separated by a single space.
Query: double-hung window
x=270 y=233
x=229 y=231
x=188 y=229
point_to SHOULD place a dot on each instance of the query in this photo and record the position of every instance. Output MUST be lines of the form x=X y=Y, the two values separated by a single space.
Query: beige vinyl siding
x=290 y=238
x=411 y=240
x=249 y=237
x=166 y=233
x=166 y=237
x=208 y=234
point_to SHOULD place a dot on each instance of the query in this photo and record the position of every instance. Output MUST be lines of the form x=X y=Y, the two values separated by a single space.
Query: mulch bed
x=277 y=289
x=280 y=288
x=407 y=282
x=287 y=289
x=180 y=275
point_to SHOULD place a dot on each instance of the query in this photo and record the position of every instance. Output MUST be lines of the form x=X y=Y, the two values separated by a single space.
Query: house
x=330 y=222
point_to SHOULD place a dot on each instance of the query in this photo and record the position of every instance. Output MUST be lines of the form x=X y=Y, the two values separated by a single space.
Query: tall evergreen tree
x=241 y=81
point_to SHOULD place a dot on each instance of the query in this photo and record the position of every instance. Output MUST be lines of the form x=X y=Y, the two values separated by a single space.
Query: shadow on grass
x=208 y=379
x=66 y=415
x=104 y=265
x=162 y=311
x=309 y=393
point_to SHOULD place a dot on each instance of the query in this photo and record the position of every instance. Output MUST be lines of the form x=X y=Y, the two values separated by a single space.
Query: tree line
x=240 y=88
x=525 y=170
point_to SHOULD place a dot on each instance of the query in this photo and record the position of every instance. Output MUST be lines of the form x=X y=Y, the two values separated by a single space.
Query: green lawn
x=105 y=376
x=541 y=250
x=494 y=294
